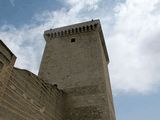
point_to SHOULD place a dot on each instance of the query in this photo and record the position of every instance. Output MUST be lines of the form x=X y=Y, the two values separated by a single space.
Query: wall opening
x=73 y=40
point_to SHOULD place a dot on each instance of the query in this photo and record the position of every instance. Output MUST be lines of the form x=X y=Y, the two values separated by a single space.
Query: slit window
x=73 y=40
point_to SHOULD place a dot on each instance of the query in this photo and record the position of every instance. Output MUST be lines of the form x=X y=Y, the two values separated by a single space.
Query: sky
x=132 y=34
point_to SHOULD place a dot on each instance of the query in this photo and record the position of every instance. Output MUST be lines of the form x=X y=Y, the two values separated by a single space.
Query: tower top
x=84 y=27
x=72 y=29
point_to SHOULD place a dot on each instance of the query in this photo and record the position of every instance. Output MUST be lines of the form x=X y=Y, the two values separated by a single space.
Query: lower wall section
x=91 y=104
x=85 y=113
x=26 y=97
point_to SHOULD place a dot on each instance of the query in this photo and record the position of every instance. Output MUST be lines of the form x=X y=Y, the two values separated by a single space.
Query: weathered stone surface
x=73 y=81
x=76 y=59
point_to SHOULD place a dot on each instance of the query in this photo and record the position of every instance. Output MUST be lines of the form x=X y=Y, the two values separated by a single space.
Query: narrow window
x=73 y=40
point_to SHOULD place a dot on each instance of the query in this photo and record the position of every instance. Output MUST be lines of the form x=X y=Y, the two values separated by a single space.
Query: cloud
x=12 y=2
x=89 y=4
x=131 y=29
x=134 y=47
x=27 y=42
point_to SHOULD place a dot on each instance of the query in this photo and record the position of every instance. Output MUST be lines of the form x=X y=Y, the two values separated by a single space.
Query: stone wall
x=76 y=59
x=23 y=96
x=29 y=98
x=7 y=60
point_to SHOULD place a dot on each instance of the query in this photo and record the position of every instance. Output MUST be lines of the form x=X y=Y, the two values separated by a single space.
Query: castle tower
x=76 y=59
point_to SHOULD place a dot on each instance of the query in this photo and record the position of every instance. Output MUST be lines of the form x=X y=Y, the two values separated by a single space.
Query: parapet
x=84 y=27
x=72 y=29
x=6 y=56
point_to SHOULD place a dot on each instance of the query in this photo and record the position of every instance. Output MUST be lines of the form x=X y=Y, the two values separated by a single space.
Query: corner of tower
x=7 y=58
x=88 y=26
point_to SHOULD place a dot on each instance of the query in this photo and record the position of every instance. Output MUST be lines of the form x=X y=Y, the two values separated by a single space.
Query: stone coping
x=72 y=29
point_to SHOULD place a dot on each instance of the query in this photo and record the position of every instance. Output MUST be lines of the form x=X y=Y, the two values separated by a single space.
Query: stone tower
x=76 y=59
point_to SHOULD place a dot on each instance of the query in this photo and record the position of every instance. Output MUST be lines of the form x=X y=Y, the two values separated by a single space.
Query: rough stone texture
x=28 y=97
x=23 y=96
x=7 y=60
x=75 y=59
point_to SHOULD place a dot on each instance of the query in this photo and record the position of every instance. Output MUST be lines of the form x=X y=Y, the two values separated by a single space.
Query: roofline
x=80 y=24
x=77 y=28
x=71 y=29
x=1 y=42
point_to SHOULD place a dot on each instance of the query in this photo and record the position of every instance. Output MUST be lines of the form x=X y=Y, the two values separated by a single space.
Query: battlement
x=84 y=27
x=72 y=29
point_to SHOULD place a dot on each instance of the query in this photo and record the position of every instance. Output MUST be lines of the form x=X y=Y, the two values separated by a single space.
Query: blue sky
x=131 y=29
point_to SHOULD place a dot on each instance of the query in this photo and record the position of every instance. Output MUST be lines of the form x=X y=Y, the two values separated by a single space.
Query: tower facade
x=76 y=59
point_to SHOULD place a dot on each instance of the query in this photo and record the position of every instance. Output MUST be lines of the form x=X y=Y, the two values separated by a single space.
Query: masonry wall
x=92 y=101
x=7 y=60
x=109 y=104
x=76 y=59
x=28 y=98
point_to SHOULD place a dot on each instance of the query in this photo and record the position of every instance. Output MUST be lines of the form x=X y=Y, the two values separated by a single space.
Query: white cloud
x=131 y=30
x=79 y=4
x=28 y=43
x=12 y=2
x=133 y=45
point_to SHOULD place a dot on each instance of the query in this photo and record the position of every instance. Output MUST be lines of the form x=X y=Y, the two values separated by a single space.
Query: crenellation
x=62 y=32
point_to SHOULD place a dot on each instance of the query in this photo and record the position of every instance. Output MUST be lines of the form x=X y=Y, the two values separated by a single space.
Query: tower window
x=73 y=40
